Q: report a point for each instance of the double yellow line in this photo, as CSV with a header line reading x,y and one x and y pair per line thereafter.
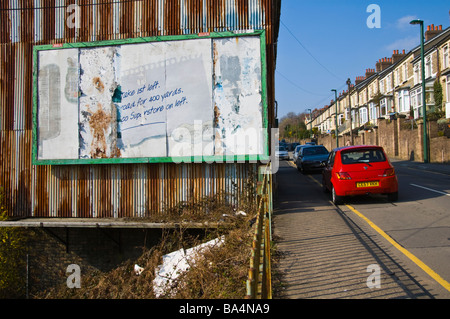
x,y
408,254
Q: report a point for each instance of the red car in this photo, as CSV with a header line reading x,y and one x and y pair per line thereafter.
x,y
359,170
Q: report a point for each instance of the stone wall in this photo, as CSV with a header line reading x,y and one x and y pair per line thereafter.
x,y
401,139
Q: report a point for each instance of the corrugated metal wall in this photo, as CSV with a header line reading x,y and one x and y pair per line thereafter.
x,y
125,190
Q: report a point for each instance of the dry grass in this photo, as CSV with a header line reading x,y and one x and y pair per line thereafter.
x,y
221,273
223,270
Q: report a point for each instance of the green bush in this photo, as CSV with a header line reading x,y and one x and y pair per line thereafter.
x,y
13,245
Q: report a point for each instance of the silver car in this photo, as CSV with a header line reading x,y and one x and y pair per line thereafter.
x,y
281,153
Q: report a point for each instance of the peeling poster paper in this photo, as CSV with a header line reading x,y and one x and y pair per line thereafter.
x,y
181,98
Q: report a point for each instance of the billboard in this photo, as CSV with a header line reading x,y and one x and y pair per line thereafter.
x,y
160,99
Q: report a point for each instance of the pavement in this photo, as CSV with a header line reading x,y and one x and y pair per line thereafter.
x,y
323,254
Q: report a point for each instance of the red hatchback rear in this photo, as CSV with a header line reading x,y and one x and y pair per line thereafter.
x,y
359,170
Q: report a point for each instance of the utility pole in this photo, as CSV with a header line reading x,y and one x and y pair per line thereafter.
x,y
350,110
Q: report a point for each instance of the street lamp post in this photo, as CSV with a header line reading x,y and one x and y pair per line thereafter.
x,y
424,107
336,111
350,110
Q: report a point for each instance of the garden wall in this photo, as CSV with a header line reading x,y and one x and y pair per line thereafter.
x,y
401,138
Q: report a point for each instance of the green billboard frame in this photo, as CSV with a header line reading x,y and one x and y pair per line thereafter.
x,y
180,159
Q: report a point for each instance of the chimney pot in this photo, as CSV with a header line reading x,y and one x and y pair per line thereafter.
x,y
428,28
440,27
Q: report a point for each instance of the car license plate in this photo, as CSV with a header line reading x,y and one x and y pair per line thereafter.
x,y
368,184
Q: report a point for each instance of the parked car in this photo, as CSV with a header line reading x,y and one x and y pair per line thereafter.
x,y
311,157
359,170
295,153
291,147
281,152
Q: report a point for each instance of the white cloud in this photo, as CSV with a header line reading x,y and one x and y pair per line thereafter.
x,y
403,22
407,43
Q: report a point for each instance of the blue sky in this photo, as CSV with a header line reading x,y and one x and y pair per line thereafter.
x,y
322,43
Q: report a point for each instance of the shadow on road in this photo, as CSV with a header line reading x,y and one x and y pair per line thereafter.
x,y
322,254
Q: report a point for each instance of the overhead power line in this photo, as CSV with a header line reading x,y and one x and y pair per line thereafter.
x,y
307,51
297,86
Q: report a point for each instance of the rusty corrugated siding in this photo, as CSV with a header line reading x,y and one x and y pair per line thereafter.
x,y
120,190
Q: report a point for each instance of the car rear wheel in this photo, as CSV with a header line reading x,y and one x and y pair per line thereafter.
x,y
335,198
393,197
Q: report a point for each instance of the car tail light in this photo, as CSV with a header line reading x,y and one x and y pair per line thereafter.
x,y
343,175
389,172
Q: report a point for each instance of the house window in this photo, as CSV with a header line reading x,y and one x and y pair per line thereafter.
x,y
363,115
382,86
403,101
417,73
397,77
416,102
446,61
388,83
416,97
427,66
448,88
383,107
372,112
447,106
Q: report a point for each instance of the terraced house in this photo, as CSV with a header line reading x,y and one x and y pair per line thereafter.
x,y
394,88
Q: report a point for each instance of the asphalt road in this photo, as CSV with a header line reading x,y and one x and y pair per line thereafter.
x,y
328,251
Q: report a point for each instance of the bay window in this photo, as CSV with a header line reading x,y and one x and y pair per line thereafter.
x,y
363,115
373,114
385,106
447,105
403,101
416,102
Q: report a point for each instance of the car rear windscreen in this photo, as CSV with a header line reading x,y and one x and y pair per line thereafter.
x,y
315,151
363,156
